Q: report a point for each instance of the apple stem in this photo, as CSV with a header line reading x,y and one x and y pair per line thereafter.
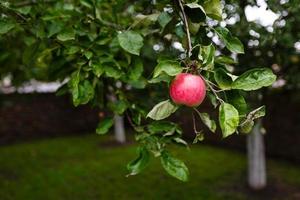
x,y
187,29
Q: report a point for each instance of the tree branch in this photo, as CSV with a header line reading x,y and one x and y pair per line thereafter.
x,y
32,2
187,29
208,83
13,11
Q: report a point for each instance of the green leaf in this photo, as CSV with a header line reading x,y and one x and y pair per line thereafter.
x,y
228,119
163,19
195,12
75,78
62,90
163,127
180,141
232,43
88,54
223,80
254,79
104,126
257,113
199,137
224,60
112,72
210,123
83,93
194,27
118,107
174,166
54,28
131,42
98,69
136,70
145,20
139,83
152,143
67,34
29,40
160,126
6,26
24,10
140,163
246,126
73,84
235,98
72,50
179,31
207,55
213,9
171,68
30,53
213,99
86,3
162,110
109,61
162,77
38,31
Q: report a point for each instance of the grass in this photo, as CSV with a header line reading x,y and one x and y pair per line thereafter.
x,y
83,168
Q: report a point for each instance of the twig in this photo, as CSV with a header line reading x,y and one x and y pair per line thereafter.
x,y
136,128
14,11
129,119
194,124
208,83
211,83
197,111
187,29
107,23
33,2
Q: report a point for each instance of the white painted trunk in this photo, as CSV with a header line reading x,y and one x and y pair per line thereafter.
x,y
256,158
120,135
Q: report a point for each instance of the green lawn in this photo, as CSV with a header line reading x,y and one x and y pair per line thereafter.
x,y
83,168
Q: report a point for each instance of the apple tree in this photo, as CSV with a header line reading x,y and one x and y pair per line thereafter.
x,y
134,50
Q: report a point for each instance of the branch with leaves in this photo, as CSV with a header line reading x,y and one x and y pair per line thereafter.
x,y
187,29
135,58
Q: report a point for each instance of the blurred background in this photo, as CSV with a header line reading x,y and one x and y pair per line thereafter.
x,y
49,149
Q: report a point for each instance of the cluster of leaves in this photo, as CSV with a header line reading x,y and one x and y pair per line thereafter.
x,y
274,43
117,54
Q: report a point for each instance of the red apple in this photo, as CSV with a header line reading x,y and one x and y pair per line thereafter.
x,y
188,89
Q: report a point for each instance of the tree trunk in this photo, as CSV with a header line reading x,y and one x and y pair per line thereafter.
x,y
120,135
256,158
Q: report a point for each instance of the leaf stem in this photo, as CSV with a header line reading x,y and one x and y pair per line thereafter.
x,y
194,124
197,111
187,29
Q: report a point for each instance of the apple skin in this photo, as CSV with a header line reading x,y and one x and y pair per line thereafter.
x,y
188,89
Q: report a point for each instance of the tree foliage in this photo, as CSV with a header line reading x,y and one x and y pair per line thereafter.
x,y
271,45
131,50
